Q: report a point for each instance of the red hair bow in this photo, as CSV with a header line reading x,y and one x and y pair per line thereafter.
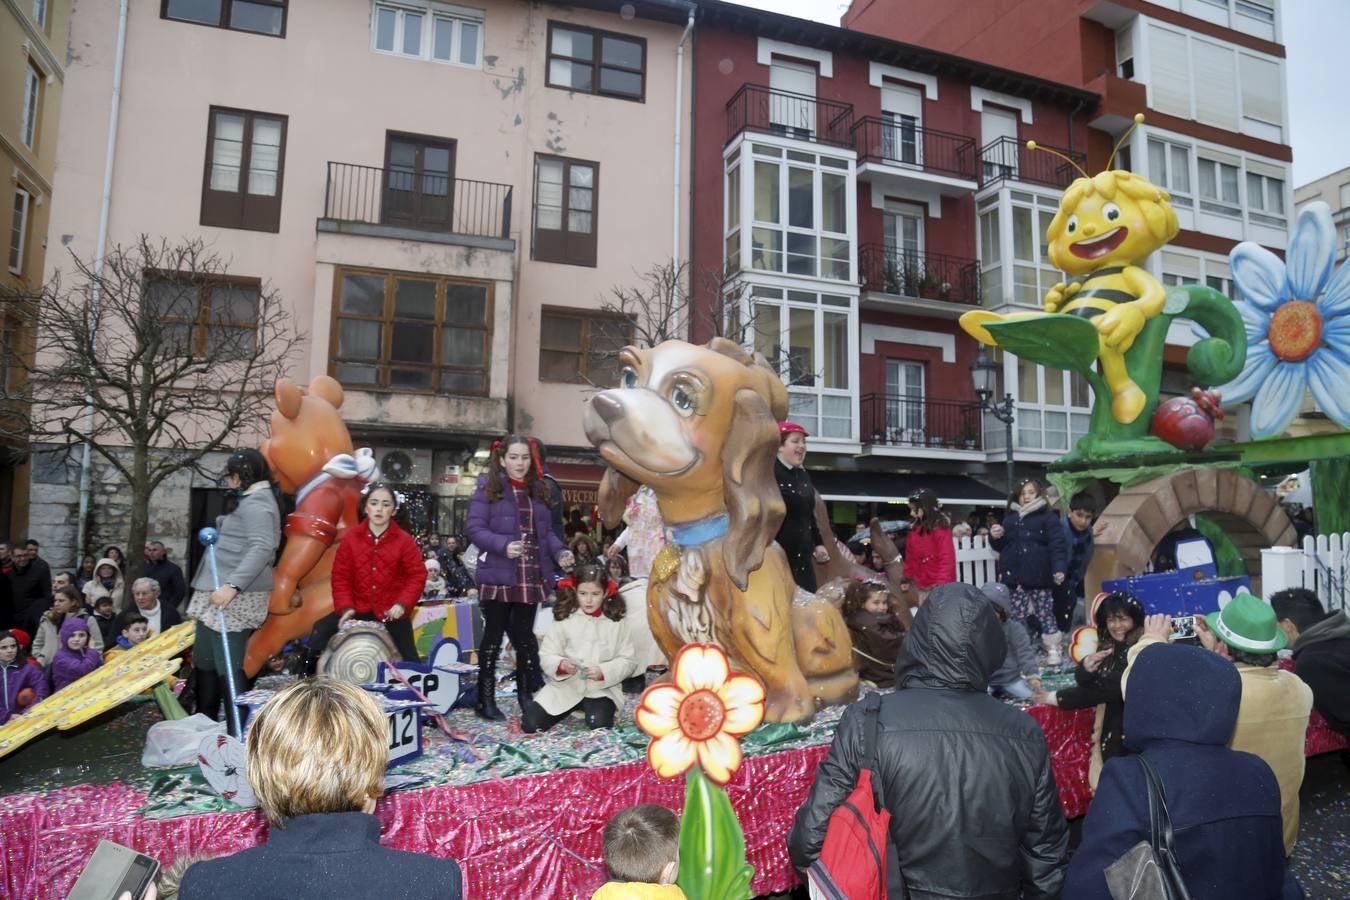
x,y
611,587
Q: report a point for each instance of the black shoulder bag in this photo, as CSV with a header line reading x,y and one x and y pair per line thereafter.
x,y
1149,870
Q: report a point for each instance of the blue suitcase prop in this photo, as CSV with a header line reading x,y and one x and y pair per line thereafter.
x,y
1186,593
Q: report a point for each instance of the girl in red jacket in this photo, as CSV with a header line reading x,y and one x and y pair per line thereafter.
x,y
377,576
930,556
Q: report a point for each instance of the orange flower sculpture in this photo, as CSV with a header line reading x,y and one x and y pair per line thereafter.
x,y
702,716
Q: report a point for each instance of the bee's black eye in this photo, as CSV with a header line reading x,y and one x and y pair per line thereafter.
x,y
1111,212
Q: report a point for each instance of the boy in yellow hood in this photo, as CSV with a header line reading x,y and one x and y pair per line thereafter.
x,y
642,853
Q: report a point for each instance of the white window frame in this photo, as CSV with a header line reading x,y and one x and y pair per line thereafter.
x,y
40,10
784,300
1167,179
1077,417
431,13
1259,208
32,102
786,158
905,410
17,266
1217,203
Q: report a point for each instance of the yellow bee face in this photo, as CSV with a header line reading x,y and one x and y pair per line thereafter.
x,y
1115,226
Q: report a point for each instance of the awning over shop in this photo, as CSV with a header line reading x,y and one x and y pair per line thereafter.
x,y
891,487
580,482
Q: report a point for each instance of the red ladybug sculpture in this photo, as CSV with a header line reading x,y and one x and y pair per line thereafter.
x,y
1188,422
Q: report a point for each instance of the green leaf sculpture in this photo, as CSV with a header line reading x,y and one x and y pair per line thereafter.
x,y
1070,342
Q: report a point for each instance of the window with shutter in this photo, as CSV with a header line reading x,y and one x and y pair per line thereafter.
x,y
1216,98
1169,73
1261,89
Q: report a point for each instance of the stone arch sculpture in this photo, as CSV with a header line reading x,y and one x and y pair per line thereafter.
x,y
1140,516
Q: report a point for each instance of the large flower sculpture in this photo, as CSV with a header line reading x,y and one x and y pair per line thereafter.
x,y
702,716
1297,317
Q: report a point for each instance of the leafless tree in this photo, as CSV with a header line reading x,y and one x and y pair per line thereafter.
x,y
156,359
664,304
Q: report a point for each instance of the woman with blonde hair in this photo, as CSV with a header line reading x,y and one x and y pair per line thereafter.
x,y
315,757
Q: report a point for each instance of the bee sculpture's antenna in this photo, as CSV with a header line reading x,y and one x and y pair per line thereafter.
x,y
1032,145
1138,119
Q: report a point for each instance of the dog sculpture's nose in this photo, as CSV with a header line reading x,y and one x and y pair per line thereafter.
x,y
607,407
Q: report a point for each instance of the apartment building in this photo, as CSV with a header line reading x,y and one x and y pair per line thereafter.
x,y
443,194
1334,191
871,191
1208,74
31,85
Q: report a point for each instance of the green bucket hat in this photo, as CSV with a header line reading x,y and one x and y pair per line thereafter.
x,y
1248,623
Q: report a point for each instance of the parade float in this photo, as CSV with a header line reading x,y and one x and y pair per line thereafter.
x,y
759,670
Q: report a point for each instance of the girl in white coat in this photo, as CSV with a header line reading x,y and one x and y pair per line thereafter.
x,y
586,655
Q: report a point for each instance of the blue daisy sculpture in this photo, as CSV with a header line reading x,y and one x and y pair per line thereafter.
x,y
1297,318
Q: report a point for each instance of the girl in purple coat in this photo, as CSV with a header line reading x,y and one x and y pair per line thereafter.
x,y
21,685
75,659
509,524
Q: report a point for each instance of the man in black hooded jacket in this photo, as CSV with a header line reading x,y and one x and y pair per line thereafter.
x,y
974,807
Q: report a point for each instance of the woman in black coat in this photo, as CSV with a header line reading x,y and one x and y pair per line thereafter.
x,y
798,536
1120,621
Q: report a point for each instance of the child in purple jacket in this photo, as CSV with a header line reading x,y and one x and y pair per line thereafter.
x,y
22,684
75,659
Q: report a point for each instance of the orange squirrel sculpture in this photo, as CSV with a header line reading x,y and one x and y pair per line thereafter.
x,y
311,456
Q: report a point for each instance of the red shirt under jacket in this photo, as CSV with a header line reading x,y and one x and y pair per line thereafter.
x,y
371,574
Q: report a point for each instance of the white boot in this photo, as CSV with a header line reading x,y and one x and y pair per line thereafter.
x,y
1051,644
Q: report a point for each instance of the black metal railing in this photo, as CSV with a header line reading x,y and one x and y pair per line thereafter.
x,y
1008,159
901,421
801,116
419,200
903,143
932,276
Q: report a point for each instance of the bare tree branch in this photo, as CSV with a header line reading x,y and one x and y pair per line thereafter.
x,y
157,360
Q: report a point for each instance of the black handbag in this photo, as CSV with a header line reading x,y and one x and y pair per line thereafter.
x,y
1149,869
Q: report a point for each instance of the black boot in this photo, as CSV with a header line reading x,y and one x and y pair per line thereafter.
x,y
527,671
486,707
208,694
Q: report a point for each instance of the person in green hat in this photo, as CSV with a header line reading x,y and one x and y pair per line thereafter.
x,y
1273,716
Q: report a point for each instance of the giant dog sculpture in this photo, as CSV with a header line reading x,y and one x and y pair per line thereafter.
x,y
698,425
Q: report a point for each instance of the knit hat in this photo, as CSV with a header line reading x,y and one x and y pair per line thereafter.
x,y
432,564
1248,623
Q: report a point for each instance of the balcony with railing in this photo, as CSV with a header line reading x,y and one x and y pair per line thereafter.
x,y
1008,159
905,424
803,117
902,147
927,276
417,205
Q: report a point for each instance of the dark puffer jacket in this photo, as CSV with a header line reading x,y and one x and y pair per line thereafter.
x,y
1032,549
1225,804
975,810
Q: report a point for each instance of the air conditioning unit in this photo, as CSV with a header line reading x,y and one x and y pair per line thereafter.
x,y
403,465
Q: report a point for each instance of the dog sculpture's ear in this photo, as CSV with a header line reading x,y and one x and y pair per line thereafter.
x,y
615,489
770,385
748,484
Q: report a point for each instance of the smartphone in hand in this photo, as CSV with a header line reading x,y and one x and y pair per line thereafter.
x,y
112,871
1183,628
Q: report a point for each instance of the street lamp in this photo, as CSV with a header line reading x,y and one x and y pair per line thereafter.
x,y
984,373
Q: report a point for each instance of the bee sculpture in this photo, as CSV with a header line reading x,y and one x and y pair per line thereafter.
x,y
1106,227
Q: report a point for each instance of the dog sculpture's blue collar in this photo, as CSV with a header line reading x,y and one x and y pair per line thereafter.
x,y
700,532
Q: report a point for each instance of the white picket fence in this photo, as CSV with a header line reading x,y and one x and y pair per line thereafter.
x,y
976,561
1321,565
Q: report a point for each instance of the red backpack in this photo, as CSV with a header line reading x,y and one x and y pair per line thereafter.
x,y
852,861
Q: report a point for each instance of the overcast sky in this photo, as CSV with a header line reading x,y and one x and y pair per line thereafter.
x,y
1315,37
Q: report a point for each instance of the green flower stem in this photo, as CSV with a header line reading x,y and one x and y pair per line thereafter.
x,y
712,845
